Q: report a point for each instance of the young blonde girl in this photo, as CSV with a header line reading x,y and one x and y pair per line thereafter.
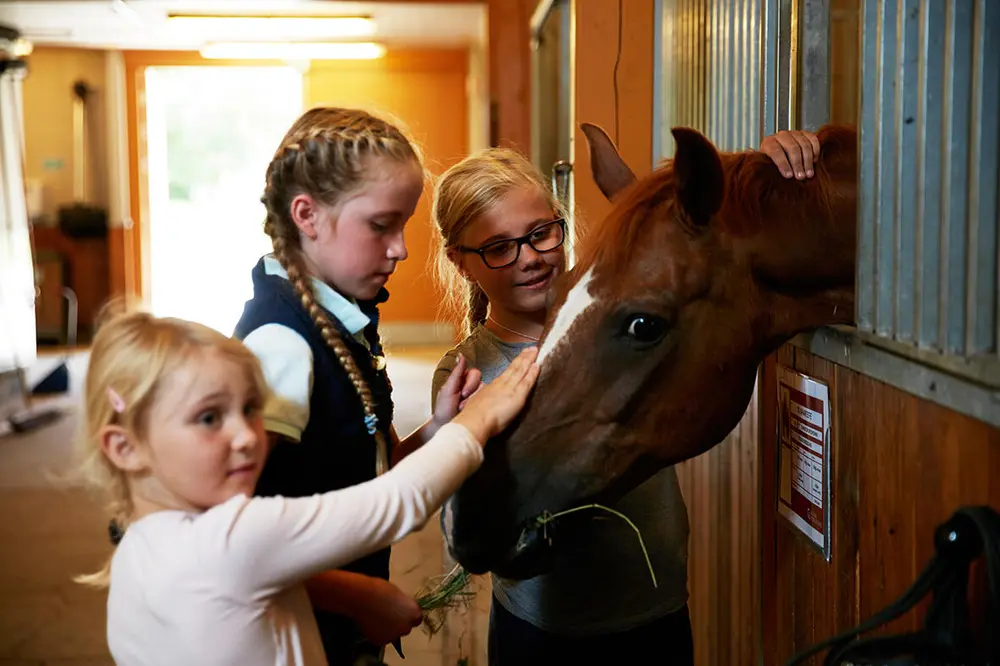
x,y
339,192
205,573
502,244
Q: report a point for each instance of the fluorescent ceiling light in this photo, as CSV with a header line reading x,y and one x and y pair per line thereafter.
x,y
326,26
293,50
21,48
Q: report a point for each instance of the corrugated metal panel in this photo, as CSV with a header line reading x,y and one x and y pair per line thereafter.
x,y
930,135
682,68
711,70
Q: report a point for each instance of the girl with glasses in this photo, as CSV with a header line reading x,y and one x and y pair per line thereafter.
x,y
502,240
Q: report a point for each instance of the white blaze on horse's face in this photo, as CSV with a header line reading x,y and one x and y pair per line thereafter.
x,y
577,302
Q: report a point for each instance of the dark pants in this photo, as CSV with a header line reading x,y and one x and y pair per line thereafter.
x,y
514,642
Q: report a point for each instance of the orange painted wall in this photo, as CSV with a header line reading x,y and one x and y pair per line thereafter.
x,y
48,123
426,90
596,50
48,98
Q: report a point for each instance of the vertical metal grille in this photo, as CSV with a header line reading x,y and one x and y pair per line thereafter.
x,y
711,73
930,133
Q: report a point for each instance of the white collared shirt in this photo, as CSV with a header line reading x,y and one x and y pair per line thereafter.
x,y
287,359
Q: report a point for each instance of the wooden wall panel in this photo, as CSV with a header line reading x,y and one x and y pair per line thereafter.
x,y
596,25
510,72
722,495
901,466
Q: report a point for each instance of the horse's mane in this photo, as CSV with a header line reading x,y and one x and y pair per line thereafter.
x,y
612,241
754,190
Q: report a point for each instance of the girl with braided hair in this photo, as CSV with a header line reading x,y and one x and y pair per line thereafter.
x,y
339,191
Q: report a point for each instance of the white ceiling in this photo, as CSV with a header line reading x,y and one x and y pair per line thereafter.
x,y
142,24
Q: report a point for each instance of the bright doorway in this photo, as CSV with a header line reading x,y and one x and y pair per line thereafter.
x,y
211,133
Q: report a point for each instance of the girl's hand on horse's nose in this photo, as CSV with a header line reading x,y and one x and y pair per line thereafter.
x,y
494,405
793,152
456,391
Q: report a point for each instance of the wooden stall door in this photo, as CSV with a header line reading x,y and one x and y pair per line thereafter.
x,y
901,466
722,492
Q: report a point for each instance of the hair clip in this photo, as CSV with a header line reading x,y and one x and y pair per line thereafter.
x,y
116,401
371,421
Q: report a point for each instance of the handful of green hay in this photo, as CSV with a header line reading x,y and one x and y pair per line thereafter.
x,y
442,594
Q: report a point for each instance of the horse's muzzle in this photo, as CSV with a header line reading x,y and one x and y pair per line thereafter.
x,y
525,558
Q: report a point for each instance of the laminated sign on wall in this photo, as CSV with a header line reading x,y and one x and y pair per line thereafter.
x,y
804,456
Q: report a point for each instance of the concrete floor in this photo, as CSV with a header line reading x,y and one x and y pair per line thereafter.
x,y
51,530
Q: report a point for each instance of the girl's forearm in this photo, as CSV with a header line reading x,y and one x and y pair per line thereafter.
x,y
414,440
340,592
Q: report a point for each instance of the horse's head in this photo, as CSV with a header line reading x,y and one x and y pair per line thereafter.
x,y
653,339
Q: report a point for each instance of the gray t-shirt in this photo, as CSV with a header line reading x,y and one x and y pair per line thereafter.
x,y
602,585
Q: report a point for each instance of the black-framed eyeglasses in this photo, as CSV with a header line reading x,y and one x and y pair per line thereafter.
x,y
503,253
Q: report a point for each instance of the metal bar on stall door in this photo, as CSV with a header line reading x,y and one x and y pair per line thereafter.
x,y
786,60
727,111
712,70
957,100
769,67
929,175
756,71
747,39
884,179
681,62
981,293
905,183
813,63
659,28
867,146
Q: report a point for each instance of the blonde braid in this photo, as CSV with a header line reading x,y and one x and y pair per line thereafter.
x,y
292,262
323,155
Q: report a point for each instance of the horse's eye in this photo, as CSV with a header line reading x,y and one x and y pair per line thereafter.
x,y
646,328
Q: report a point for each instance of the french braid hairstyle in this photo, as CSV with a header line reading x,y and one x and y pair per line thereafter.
x,y
324,155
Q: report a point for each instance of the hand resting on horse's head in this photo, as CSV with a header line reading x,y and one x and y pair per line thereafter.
x,y
793,152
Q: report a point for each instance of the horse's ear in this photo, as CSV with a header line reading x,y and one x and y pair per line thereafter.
x,y
698,176
611,173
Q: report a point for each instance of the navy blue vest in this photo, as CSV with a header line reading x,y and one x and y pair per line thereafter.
x,y
335,450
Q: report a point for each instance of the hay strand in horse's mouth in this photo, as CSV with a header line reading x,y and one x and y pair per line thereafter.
x,y
546,518
451,590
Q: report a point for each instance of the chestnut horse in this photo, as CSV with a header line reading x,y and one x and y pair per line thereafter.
x,y
653,339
